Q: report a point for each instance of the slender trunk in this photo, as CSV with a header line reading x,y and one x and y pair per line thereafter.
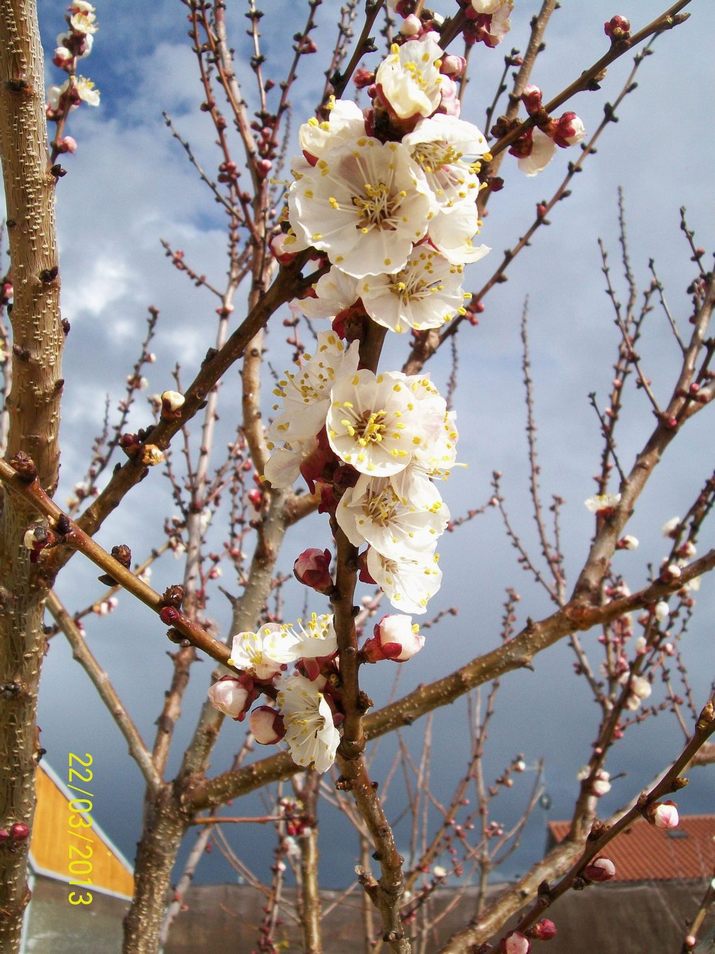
x,y
33,416
164,829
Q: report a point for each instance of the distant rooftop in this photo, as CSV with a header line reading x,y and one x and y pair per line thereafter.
x,y
646,853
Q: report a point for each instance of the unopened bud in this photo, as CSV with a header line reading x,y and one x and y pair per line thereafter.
x,y
171,404
230,697
544,930
515,943
411,26
664,815
312,568
394,638
617,28
19,831
600,869
266,725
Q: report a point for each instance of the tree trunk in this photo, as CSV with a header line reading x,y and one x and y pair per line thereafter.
x,y
33,408
164,829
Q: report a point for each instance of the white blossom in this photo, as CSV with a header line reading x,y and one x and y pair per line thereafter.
x,y
409,78
371,424
345,123
452,232
445,149
426,293
83,18
256,653
396,515
408,583
543,149
306,392
333,292
364,204
310,732
600,502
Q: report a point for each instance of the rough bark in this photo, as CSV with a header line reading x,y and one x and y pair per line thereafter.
x,y
164,828
33,408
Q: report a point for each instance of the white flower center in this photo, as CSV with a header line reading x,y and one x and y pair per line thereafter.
x,y
431,156
377,207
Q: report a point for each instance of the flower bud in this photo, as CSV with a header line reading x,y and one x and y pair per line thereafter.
x,y
664,815
670,527
394,638
171,404
600,869
67,144
515,943
453,65
628,542
531,98
661,611
640,687
544,930
19,831
230,697
266,724
363,77
312,568
62,57
617,28
411,26
568,130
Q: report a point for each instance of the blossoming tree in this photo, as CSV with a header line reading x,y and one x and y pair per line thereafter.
x,y
365,242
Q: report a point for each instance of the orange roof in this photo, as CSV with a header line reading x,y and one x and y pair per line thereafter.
x,y
57,848
646,853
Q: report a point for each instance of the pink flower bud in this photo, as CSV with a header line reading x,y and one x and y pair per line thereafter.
x,y
690,940
255,497
19,831
600,869
665,815
363,77
263,167
169,615
617,28
266,725
531,98
4,836
449,104
394,638
453,65
544,930
411,26
568,130
62,57
312,568
67,144
515,943
229,696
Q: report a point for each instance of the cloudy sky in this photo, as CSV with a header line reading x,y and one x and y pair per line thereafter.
x,y
129,185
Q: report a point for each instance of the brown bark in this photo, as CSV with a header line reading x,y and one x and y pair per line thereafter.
x,y
164,828
33,409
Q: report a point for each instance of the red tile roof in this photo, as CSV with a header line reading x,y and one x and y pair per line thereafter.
x,y
646,853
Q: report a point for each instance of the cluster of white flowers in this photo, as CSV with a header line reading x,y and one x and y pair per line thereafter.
x,y
304,712
386,197
73,45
